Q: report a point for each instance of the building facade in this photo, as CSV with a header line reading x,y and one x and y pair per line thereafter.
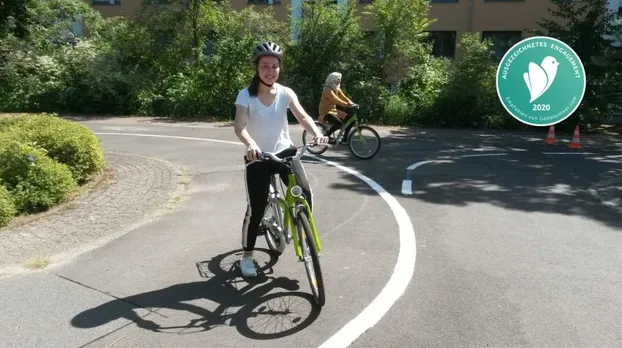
x,y
505,22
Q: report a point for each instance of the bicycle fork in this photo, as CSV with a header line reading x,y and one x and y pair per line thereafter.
x,y
293,224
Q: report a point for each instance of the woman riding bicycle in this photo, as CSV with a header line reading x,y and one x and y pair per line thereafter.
x,y
261,124
335,107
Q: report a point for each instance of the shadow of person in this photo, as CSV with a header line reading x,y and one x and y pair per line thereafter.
x,y
224,287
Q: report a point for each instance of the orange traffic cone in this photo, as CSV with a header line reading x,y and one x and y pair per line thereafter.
x,y
575,143
550,138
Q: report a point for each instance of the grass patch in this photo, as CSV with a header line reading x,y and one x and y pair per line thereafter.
x,y
38,263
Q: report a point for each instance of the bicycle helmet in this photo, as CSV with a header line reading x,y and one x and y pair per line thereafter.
x,y
268,49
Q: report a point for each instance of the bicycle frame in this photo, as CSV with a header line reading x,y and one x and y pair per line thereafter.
x,y
291,205
353,120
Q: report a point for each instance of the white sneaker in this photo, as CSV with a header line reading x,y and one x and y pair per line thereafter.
x,y
247,266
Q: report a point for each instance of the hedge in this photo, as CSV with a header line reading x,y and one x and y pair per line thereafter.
x,y
43,158
7,207
191,59
65,141
34,180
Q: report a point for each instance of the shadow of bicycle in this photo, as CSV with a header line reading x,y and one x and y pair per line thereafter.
x,y
261,313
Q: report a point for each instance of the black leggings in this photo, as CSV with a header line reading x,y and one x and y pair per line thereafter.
x,y
338,122
257,177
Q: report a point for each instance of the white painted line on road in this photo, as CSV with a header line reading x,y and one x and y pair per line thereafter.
x,y
415,165
172,137
407,184
407,187
402,272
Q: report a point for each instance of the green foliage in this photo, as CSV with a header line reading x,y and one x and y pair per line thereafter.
x,y
28,81
34,180
16,18
67,142
328,38
396,110
199,58
470,99
401,32
459,94
588,28
42,159
7,207
191,58
421,88
31,69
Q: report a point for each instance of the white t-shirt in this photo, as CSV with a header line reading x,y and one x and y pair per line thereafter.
x,y
267,125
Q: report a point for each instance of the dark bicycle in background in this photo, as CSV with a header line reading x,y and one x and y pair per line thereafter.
x,y
363,141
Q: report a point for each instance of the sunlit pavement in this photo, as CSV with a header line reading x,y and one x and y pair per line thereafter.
x,y
512,250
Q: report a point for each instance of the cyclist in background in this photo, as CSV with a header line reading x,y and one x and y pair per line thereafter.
x,y
335,107
261,124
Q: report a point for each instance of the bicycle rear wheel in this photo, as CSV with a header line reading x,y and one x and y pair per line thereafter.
x,y
368,140
309,251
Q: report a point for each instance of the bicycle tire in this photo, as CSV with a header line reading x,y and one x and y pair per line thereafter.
x,y
277,247
316,150
373,131
305,237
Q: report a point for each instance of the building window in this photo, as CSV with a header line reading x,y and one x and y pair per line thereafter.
x,y
264,2
209,48
77,26
106,2
443,43
502,40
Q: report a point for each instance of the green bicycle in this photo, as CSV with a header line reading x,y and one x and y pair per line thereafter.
x,y
355,135
282,215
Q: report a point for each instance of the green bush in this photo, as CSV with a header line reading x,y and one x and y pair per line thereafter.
x,y
34,180
7,207
329,38
422,87
190,60
65,141
396,110
372,97
469,98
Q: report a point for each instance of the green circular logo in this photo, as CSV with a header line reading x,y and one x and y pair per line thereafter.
x,y
540,81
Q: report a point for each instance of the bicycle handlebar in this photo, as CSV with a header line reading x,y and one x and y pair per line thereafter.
x,y
266,156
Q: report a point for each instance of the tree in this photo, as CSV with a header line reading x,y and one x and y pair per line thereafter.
x,y
15,17
589,28
401,32
328,38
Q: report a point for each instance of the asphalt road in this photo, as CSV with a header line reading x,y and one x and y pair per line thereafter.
x,y
511,251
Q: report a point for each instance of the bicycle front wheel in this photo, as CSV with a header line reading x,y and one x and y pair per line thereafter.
x,y
364,142
311,258
275,231
316,150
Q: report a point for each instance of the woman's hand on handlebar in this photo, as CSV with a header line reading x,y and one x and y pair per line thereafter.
x,y
253,152
320,140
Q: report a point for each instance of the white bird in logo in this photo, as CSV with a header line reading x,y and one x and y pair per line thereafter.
x,y
540,78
